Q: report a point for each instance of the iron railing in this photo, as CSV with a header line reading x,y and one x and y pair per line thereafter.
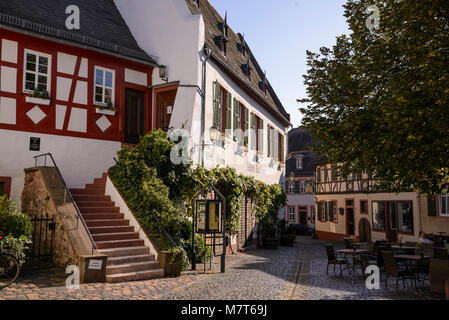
x,y
154,215
67,192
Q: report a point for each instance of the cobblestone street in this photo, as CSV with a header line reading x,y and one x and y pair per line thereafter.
x,y
297,273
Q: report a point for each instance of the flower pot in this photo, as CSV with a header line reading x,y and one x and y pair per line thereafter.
x,y
105,111
40,101
171,268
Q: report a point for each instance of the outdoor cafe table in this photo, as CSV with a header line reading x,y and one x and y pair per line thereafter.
x,y
407,249
354,253
411,257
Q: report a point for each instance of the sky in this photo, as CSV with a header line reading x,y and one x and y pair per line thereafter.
x,y
279,32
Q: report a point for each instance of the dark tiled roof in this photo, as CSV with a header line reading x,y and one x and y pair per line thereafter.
x,y
299,141
101,25
234,58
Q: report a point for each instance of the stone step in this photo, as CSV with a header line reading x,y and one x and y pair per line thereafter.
x,y
88,198
100,181
110,229
119,243
107,223
94,186
75,192
132,267
135,276
100,216
112,261
88,204
115,236
99,209
127,251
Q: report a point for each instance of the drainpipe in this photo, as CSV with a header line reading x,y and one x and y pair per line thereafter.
x,y
207,53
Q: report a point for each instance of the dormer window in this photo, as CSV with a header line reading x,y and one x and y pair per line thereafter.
x,y
247,67
299,162
197,3
224,34
243,46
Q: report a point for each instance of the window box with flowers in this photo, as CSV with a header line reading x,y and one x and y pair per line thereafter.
x,y
109,109
38,97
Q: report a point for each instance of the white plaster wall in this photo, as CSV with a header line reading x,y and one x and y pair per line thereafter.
x,y
9,51
80,160
167,29
265,171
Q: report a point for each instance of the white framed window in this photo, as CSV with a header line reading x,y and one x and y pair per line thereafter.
x,y
443,205
291,187
299,162
36,71
291,214
302,186
104,86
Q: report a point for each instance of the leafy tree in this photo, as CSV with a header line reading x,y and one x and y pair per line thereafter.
x,y
378,100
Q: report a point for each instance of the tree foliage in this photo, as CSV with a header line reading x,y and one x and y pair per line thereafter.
x,y
378,100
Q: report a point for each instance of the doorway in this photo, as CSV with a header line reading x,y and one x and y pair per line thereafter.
x,y
134,116
165,102
350,224
392,219
364,231
303,216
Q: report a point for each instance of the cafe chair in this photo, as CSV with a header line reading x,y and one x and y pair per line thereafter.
x,y
333,260
392,269
348,243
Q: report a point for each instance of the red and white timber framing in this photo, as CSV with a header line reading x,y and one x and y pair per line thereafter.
x,y
72,111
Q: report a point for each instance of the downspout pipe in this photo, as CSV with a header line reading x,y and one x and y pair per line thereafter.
x,y
207,53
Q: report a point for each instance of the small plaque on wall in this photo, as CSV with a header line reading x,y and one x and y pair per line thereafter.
x,y
95,264
35,144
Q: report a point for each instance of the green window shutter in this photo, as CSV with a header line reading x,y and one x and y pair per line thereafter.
x,y
229,112
432,206
245,126
261,141
318,210
282,148
276,146
268,140
217,105
296,187
237,118
253,131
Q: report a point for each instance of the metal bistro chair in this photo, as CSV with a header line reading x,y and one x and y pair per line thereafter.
x,y
333,260
348,243
392,270
366,259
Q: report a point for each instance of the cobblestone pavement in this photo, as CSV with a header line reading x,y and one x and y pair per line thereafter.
x,y
314,284
297,273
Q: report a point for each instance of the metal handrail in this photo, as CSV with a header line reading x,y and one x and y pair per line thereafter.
x,y
66,191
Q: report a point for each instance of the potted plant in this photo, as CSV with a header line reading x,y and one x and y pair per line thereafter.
x,y
41,97
171,262
270,239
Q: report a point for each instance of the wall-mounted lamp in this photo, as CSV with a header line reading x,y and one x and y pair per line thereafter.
x,y
292,177
163,73
342,211
214,134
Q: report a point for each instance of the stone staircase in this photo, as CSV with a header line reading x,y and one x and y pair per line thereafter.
x,y
128,258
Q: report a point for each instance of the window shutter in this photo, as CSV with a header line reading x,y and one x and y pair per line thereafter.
x,y
280,155
335,211
261,127
217,106
268,140
296,187
319,207
237,113
245,126
276,146
229,112
253,131
432,206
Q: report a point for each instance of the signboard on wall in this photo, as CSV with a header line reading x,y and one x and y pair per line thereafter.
x,y
35,144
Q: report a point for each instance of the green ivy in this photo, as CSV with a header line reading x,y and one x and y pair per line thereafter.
x,y
155,189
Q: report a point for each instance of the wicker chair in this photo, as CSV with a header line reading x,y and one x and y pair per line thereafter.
x,y
333,260
392,270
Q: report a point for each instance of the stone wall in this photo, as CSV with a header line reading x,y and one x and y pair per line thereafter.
x,y
42,197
